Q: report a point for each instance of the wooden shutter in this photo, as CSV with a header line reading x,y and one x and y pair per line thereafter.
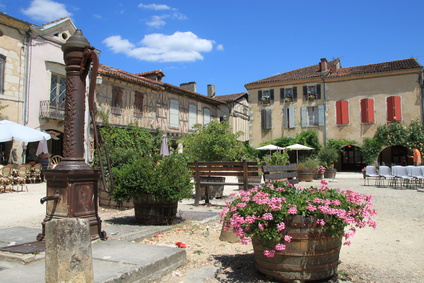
x,y
295,93
260,97
281,94
305,92
318,96
266,120
342,112
271,96
304,116
117,96
291,123
139,97
393,109
367,110
321,115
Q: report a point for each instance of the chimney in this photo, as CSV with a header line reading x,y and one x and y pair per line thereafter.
x,y
191,86
323,66
211,91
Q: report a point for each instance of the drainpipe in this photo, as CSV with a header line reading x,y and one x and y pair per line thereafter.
x,y
27,44
325,112
421,84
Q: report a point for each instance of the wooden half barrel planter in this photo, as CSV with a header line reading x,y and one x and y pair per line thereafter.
x,y
330,173
311,255
149,211
306,175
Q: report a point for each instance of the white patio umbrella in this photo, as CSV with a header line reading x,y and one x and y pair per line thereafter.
x,y
270,147
12,131
42,147
298,147
164,149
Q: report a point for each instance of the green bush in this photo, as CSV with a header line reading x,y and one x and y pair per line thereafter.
x,y
327,156
308,164
167,179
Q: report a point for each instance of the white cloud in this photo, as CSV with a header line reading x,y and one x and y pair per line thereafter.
x,y
156,7
156,47
220,47
46,10
157,21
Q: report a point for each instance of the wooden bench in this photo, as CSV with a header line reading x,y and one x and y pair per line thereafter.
x,y
277,172
246,171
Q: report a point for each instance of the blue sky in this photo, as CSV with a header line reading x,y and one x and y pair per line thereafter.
x,y
229,43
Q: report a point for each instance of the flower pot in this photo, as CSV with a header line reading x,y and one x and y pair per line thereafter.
x,y
214,191
305,175
228,235
312,254
318,175
330,173
154,212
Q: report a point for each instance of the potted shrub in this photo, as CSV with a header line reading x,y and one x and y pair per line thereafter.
x,y
155,184
306,169
296,232
213,142
327,156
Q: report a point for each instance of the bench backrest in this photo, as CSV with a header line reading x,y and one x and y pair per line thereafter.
x,y
277,172
224,168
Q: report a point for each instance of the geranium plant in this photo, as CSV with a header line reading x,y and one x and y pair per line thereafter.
x,y
262,212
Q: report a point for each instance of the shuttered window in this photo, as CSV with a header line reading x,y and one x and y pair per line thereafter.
x,y
117,96
367,110
288,94
312,116
289,122
174,109
266,120
192,116
139,97
266,96
2,68
342,112
312,92
206,116
394,112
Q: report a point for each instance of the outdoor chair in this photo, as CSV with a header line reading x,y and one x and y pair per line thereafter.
x,y
371,172
23,174
385,174
6,178
36,173
402,175
418,176
56,159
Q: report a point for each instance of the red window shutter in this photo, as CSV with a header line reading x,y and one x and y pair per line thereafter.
x,y
342,112
370,110
367,110
393,109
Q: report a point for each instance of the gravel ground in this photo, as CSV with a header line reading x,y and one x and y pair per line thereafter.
x,y
391,253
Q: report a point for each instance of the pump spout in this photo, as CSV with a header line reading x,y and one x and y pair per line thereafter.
x,y
54,197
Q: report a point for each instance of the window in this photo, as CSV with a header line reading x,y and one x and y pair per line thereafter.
x,y
312,116
206,116
192,116
312,92
266,96
57,92
2,68
289,117
394,112
174,111
266,120
288,94
138,104
116,100
367,110
342,112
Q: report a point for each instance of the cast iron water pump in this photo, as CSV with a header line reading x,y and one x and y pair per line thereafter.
x,y
72,186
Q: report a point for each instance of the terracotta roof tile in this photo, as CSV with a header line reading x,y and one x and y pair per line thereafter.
x,y
230,97
337,71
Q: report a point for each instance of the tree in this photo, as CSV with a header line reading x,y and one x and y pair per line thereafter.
x,y
213,142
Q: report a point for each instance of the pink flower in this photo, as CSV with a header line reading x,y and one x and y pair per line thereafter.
x,y
321,222
347,243
269,253
281,226
292,209
267,216
280,247
245,240
287,238
260,226
241,204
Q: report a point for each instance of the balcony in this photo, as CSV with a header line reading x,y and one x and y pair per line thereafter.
x,y
52,110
